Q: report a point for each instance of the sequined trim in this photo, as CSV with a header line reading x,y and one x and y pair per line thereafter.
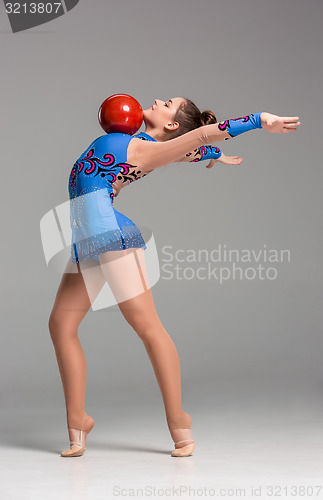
x,y
117,239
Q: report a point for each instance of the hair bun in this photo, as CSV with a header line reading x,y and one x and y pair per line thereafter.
x,y
208,117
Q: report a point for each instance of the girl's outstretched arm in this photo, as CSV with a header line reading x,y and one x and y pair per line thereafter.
x,y
151,155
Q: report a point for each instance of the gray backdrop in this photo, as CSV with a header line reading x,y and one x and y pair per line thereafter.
x,y
244,343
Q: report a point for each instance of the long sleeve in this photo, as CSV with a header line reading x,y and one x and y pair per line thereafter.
x,y
151,155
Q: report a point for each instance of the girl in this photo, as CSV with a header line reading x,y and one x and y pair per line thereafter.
x,y
105,240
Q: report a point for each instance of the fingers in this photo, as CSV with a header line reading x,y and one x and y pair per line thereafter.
x,y
290,127
291,118
234,161
292,121
226,160
289,124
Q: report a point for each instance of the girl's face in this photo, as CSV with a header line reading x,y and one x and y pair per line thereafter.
x,y
161,114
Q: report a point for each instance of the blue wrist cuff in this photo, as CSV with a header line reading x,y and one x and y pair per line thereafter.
x,y
210,152
237,126
206,153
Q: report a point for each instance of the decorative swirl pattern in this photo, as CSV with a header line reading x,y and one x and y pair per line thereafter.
x,y
126,174
204,152
78,167
224,125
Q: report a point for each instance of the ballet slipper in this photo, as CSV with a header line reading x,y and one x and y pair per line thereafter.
x,y
77,442
183,435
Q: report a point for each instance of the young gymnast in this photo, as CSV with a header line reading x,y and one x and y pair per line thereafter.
x,y
175,131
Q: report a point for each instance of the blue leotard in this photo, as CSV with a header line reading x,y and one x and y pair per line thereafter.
x,y
95,179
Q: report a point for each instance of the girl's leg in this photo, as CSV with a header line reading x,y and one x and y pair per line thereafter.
x,y
128,280
71,305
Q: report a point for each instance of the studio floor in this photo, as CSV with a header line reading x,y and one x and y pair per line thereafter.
x,y
251,453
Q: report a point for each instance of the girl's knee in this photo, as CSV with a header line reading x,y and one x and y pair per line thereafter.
x,y
52,323
147,330
61,328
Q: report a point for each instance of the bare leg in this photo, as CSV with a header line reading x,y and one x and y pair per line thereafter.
x,y
125,278
70,307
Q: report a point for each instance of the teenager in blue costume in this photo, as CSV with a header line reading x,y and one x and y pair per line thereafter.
x,y
175,131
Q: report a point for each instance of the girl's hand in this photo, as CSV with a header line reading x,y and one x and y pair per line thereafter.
x,y
279,124
227,160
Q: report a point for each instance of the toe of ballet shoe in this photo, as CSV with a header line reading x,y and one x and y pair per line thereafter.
x,y
185,451
75,451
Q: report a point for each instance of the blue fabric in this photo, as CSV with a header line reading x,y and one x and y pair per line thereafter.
x,y
237,126
97,226
205,153
210,152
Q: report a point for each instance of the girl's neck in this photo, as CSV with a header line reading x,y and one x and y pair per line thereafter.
x,y
155,134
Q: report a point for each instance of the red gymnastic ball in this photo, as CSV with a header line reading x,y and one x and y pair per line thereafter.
x,y
120,113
